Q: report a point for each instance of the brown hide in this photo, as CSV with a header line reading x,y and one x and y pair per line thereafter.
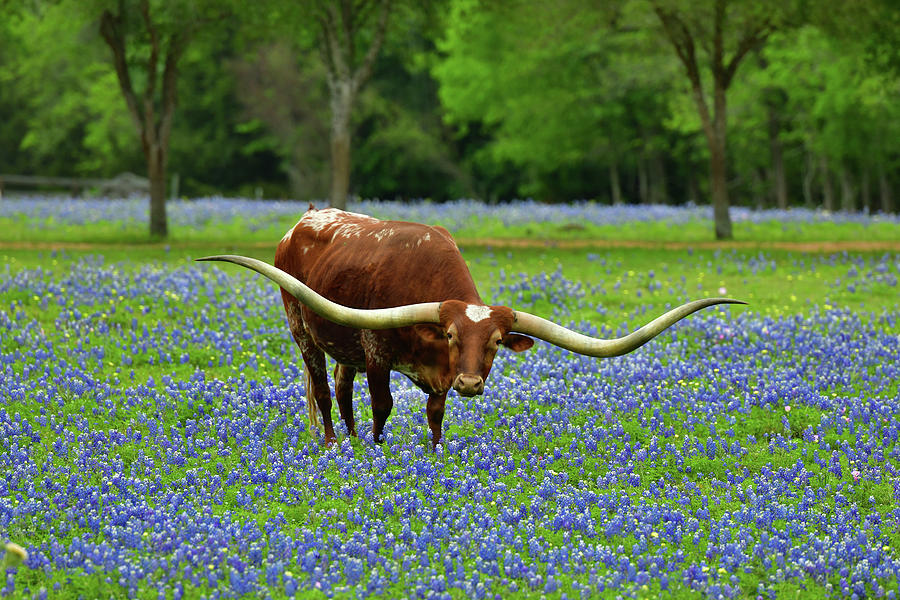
x,y
409,277
361,262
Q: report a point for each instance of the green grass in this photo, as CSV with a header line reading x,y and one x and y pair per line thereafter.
x,y
791,288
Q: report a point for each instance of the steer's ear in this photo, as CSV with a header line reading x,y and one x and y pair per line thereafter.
x,y
516,342
428,332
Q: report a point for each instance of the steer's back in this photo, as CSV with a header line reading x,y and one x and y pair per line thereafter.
x,y
362,262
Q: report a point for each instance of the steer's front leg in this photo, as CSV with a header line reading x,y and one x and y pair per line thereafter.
x,y
435,411
379,379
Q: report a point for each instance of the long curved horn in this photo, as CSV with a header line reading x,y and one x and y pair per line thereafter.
x,y
358,318
572,340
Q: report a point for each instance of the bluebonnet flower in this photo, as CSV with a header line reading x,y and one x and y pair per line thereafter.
x,y
568,476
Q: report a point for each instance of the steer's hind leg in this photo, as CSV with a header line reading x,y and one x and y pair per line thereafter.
x,y
316,372
343,392
314,366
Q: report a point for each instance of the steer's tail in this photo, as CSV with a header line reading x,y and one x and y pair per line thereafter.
x,y
311,401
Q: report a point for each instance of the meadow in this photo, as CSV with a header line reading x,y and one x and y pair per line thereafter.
x,y
155,442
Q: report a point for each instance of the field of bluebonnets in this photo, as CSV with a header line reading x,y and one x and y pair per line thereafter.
x,y
155,442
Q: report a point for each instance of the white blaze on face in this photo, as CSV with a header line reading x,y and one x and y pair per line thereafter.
x,y
478,313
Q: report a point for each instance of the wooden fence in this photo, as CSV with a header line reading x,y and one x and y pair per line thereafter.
x,y
124,184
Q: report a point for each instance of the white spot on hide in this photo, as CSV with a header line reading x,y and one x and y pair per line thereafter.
x,y
478,313
375,351
295,320
382,233
424,238
348,230
346,224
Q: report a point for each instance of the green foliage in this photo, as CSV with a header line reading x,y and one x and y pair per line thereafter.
x,y
404,149
283,103
212,148
79,124
555,100
840,107
542,80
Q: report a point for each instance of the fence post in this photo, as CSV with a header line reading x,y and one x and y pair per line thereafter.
x,y
173,195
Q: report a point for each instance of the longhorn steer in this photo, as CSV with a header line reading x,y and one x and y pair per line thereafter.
x,y
382,296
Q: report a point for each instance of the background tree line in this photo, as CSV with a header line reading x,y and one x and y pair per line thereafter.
x,y
763,103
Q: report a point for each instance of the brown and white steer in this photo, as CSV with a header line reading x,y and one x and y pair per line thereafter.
x,y
382,296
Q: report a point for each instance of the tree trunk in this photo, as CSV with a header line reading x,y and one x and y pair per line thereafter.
x,y
643,191
887,201
154,112
717,174
683,39
693,190
779,182
614,183
827,190
340,168
718,168
156,172
865,191
341,107
757,183
809,173
296,180
341,24
659,193
848,191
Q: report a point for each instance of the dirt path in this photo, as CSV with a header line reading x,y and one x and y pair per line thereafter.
x,y
849,246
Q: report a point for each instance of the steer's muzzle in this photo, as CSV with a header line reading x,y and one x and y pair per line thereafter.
x,y
468,385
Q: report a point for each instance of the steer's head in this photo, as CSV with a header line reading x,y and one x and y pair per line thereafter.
x,y
474,333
